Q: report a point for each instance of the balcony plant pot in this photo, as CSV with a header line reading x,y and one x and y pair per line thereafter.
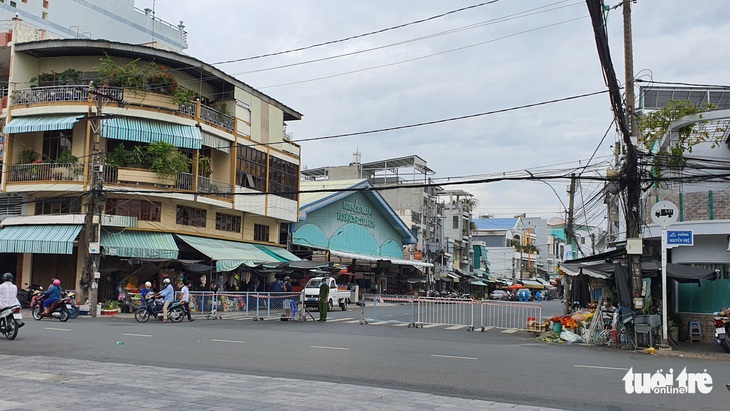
x,y
144,177
149,99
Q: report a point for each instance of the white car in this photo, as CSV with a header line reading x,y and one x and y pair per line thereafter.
x,y
498,295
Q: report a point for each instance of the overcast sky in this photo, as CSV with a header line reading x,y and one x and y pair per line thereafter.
x,y
491,57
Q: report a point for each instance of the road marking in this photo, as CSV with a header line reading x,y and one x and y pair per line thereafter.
x,y
381,323
454,356
352,322
339,319
430,325
601,368
57,329
229,341
510,331
487,328
455,327
401,324
329,348
138,335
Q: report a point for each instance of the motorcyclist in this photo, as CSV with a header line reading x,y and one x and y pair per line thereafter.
x,y
54,294
9,294
168,293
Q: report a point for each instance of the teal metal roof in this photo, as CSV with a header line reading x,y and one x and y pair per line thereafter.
x,y
279,253
229,255
33,124
139,244
150,131
39,239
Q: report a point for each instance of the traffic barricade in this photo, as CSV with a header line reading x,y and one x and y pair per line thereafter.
x,y
508,314
388,308
237,304
445,311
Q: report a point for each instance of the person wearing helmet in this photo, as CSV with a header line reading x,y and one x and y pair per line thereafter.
x,y
168,294
9,294
145,290
54,294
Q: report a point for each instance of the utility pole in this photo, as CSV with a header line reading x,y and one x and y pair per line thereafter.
x,y
569,235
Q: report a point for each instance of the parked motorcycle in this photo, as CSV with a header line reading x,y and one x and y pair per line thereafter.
x,y
59,309
10,321
153,308
73,310
722,329
25,295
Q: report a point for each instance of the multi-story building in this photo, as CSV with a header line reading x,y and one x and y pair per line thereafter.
x,y
115,20
225,180
514,245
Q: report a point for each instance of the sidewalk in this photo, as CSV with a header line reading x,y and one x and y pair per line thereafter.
x,y
696,350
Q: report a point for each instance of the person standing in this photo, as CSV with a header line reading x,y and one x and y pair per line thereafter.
x,y
324,292
168,293
185,299
288,300
608,311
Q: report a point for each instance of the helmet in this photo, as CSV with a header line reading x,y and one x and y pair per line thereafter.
x,y
287,279
166,281
56,282
148,284
7,277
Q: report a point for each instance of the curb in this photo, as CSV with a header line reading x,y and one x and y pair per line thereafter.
x,y
721,356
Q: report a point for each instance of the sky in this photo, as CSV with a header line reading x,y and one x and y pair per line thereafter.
x,y
490,57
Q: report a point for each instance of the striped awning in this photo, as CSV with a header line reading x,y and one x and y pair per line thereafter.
x,y
33,124
228,255
39,239
151,131
279,253
138,244
216,142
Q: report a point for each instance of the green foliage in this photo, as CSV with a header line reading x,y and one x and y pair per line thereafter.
x,y
130,75
67,158
163,158
110,305
654,126
205,166
183,95
28,156
66,77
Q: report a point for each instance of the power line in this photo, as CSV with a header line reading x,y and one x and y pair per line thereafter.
x,y
359,35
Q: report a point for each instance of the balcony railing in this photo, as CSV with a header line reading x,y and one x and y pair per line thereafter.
x,y
45,172
51,94
205,185
218,118
183,181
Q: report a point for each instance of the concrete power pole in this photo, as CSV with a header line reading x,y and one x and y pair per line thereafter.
x,y
569,236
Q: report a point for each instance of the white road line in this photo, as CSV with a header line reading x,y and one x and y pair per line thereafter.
x,y
455,327
381,323
339,319
138,335
510,331
57,329
352,322
329,348
401,324
487,328
600,367
229,341
430,325
454,356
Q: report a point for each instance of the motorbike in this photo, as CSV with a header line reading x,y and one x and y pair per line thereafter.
x,y
10,321
722,329
153,308
25,295
59,309
73,310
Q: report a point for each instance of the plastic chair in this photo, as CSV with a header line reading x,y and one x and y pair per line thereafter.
x,y
695,331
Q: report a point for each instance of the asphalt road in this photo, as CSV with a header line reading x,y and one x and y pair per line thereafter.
x,y
490,365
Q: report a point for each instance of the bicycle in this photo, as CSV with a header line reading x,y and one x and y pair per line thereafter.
x,y
625,335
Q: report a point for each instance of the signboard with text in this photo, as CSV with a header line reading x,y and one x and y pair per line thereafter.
x,y
680,237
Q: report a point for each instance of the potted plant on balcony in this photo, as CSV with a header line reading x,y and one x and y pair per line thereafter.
x,y
205,166
158,164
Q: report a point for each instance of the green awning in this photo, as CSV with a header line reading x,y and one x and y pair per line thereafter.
x,y
228,255
151,131
279,253
39,239
32,124
139,244
478,282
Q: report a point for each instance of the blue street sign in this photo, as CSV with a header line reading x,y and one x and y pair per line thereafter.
x,y
679,237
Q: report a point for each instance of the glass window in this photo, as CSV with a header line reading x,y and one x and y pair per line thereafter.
x,y
143,210
191,216
456,222
251,168
261,232
283,178
58,205
54,143
227,222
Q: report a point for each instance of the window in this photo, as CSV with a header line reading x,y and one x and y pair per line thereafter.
x,y
284,233
44,15
45,4
456,222
261,232
251,168
227,222
191,216
59,205
143,210
283,178
13,4
56,142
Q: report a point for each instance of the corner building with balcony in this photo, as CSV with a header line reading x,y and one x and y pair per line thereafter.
x,y
205,175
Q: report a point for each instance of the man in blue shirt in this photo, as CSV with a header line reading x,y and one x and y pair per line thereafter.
x,y
168,293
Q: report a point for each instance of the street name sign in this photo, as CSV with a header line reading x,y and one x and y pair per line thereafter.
x,y
680,237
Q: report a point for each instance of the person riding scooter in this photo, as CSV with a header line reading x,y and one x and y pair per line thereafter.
x,y
54,294
9,294
168,293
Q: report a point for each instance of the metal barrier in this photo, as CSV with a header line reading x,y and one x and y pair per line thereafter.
x,y
507,314
445,311
389,308
234,304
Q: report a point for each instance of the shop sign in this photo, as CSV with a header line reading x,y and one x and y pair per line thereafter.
x,y
356,213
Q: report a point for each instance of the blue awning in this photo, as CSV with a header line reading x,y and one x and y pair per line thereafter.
x,y
33,124
39,239
139,244
151,131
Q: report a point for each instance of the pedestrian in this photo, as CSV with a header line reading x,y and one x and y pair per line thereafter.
x,y
185,299
538,296
324,292
168,293
288,300
608,311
